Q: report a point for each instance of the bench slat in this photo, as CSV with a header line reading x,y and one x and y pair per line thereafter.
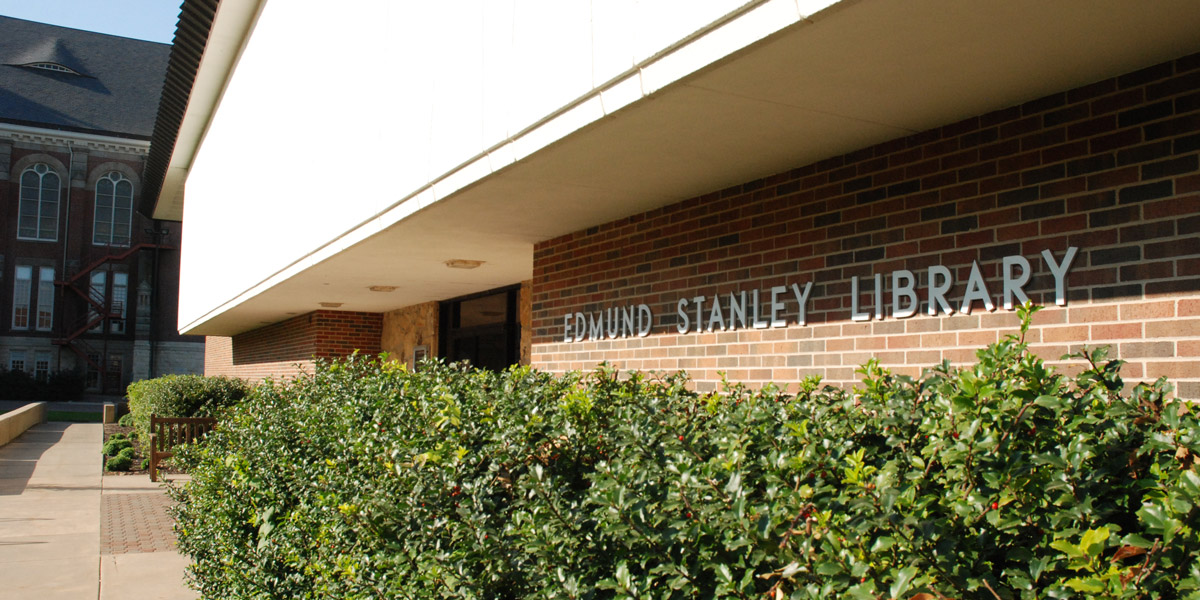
x,y
168,432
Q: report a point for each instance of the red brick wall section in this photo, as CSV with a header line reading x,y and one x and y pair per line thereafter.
x,y
1111,168
290,340
287,348
340,333
218,360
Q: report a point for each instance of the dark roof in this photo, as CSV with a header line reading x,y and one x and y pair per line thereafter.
x,y
191,37
113,90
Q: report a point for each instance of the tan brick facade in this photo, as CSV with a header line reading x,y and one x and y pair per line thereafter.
x,y
407,328
1111,169
525,298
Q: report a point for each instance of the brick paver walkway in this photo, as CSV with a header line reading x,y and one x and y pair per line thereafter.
x,y
136,522
55,503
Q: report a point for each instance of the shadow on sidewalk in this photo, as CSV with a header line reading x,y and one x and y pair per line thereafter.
x,y
19,457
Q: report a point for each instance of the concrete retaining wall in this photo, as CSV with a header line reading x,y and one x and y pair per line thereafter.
x,y
15,422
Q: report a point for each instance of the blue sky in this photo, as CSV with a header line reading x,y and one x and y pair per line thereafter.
x,y
152,20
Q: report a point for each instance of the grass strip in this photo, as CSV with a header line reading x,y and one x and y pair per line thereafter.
x,y
71,416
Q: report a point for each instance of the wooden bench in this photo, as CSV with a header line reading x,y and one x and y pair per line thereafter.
x,y
168,432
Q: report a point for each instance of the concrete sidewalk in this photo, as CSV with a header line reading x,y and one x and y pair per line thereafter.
x,y
53,502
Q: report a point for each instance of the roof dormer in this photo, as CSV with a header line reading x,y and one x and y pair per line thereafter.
x,y
49,66
50,55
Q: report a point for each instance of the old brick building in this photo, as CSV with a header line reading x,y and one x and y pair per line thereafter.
x,y
86,284
763,190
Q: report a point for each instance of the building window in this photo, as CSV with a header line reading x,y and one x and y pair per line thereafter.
x,y
45,299
41,366
22,288
16,360
97,294
114,210
91,376
120,298
49,66
114,370
38,212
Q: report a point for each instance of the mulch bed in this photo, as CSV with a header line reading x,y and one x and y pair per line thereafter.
x,y
139,453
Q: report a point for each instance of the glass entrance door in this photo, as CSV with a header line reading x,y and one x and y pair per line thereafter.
x,y
483,330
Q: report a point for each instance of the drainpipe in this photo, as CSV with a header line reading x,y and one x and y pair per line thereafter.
x,y
158,236
105,324
60,309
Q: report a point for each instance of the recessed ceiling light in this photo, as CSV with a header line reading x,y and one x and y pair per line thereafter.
x,y
462,263
382,288
331,304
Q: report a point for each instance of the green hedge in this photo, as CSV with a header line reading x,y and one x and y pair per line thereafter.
x,y
181,396
1005,479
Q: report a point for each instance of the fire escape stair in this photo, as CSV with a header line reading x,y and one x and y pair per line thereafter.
x,y
98,311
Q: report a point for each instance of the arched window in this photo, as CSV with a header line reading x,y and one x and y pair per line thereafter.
x,y
38,212
114,210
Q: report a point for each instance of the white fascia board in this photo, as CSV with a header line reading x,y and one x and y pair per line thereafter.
x,y
231,29
755,22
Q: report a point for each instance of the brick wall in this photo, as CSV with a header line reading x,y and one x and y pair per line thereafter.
x,y
218,360
286,348
1111,169
341,333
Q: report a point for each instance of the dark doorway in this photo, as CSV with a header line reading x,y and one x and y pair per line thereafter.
x,y
113,375
483,329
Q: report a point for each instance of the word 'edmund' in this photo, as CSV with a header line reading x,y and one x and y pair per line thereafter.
x,y
781,305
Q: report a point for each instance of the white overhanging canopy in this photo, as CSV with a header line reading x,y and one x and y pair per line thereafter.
x,y
854,74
